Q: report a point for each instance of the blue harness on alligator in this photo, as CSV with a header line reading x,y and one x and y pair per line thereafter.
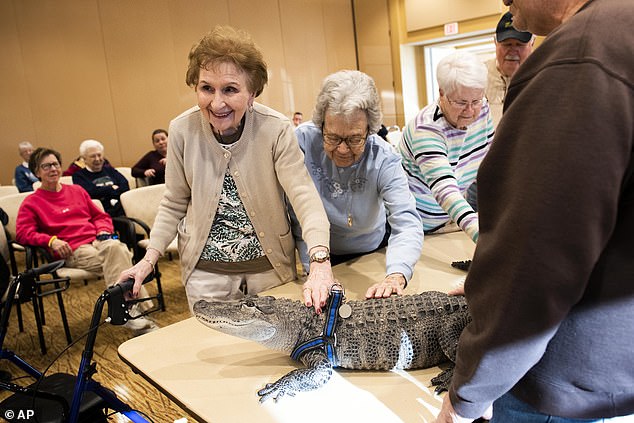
x,y
328,338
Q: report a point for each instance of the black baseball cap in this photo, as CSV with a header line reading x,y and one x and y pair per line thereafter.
x,y
505,30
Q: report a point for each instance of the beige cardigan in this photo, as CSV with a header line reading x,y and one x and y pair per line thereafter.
x,y
265,163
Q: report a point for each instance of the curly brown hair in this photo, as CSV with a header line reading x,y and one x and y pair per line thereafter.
x,y
225,44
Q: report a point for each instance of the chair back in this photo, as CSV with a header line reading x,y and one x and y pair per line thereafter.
x,y
11,204
5,273
141,206
142,203
68,180
127,172
5,280
142,182
8,190
4,246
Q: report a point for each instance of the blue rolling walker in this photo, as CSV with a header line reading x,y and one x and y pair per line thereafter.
x,y
62,397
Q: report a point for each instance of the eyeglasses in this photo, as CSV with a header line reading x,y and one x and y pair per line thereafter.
x,y
354,141
462,104
48,166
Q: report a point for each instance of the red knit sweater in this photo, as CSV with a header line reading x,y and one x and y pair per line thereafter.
x,y
68,214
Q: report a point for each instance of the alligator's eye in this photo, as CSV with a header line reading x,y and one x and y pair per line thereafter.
x,y
248,305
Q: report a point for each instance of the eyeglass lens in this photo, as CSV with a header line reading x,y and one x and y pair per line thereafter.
x,y
48,166
464,104
350,141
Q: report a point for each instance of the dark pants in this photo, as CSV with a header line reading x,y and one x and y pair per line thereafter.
x,y
341,258
510,409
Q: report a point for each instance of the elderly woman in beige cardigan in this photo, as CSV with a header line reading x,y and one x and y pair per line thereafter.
x,y
233,165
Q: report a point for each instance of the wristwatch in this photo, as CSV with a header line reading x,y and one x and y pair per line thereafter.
x,y
320,256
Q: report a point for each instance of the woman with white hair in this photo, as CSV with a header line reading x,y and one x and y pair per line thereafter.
x,y
103,183
360,180
443,146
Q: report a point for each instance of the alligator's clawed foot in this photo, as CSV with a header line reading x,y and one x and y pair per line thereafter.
x,y
299,380
442,381
276,391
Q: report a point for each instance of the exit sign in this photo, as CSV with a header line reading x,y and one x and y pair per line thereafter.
x,y
451,28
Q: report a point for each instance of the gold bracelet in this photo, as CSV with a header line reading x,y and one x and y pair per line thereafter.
x,y
149,261
50,241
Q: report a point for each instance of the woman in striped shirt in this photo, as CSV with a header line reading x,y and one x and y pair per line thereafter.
x,y
443,146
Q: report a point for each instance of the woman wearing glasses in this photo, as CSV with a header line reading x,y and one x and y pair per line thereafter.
x,y
63,219
231,163
360,181
443,146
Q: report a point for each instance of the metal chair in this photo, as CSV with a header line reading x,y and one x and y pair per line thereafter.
x,y
11,204
140,206
37,255
35,293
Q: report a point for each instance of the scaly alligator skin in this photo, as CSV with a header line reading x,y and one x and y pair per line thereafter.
x,y
400,332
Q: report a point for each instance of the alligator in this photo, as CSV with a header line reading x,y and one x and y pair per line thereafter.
x,y
399,332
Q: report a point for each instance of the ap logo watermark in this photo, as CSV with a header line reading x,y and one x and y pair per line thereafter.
x,y
18,415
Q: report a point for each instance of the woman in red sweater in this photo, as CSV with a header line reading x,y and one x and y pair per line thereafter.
x,y
64,219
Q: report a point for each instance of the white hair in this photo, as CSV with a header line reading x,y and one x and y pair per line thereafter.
x,y
24,145
343,93
461,69
88,144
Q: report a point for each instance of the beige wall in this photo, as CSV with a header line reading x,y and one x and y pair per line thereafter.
x,y
113,70
422,14
372,28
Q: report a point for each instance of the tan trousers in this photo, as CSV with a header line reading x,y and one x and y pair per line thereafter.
x,y
203,285
106,258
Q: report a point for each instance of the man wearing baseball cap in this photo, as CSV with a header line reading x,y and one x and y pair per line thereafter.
x,y
512,47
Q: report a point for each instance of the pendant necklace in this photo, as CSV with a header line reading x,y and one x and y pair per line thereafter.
x,y
348,192
350,208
